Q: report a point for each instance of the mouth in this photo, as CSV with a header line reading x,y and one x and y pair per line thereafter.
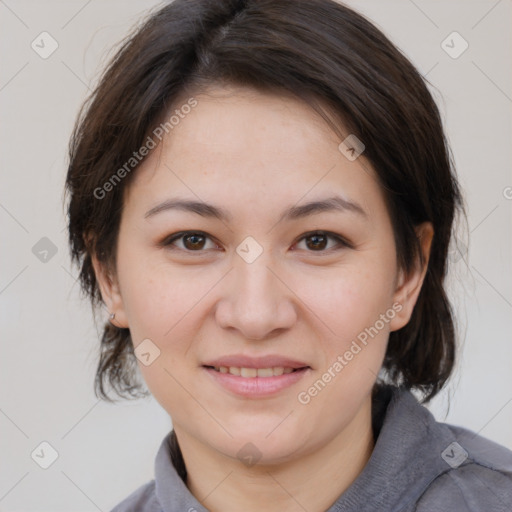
x,y
251,373
256,379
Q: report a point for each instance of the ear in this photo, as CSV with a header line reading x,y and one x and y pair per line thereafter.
x,y
110,292
409,287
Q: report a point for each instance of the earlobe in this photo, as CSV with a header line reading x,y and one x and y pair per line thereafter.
x,y
110,293
409,286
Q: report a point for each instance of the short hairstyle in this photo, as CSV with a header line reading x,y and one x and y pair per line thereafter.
x,y
319,51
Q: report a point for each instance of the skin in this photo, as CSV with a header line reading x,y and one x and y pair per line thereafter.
x,y
254,155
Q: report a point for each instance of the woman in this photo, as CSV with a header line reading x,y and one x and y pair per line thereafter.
x,y
261,194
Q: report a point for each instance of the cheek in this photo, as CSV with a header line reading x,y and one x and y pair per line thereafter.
x,y
348,299
156,296
352,307
166,305
355,322
160,303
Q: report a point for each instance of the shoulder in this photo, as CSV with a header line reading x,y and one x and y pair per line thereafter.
x,y
478,476
142,499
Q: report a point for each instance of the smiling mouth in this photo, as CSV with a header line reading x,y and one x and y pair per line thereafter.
x,y
250,373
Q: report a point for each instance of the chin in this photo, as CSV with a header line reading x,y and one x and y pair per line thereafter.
x,y
258,447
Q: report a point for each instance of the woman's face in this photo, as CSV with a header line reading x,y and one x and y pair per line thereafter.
x,y
250,287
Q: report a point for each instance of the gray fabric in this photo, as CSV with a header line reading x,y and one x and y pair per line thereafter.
x,y
417,465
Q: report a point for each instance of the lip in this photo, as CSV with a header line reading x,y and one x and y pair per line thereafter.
x,y
244,361
256,387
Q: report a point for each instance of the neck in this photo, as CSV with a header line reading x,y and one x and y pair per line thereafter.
x,y
310,482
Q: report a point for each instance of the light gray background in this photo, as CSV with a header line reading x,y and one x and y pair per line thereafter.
x,y
48,338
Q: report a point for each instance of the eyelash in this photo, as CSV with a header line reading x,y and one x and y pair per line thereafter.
x,y
342,243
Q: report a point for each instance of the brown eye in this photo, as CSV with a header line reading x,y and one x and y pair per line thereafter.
x,y
319,240
316,241
191,241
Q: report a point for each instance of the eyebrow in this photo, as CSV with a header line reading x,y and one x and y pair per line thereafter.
x,y
335,203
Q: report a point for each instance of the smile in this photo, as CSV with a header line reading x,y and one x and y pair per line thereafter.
x,y
255,383
254,372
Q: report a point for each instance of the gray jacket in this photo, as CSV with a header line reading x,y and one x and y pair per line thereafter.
x,y
418,464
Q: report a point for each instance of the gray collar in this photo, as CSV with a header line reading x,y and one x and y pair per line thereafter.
x,y
405,460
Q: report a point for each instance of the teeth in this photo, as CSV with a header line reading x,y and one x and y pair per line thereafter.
x,y
247,372
254,372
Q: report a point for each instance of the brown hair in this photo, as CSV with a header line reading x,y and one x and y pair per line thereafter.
x,y
323,53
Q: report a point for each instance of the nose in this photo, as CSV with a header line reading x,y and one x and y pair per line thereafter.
x,y
256,301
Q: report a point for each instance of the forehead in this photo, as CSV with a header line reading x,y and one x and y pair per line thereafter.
x,y
239,142
245,124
